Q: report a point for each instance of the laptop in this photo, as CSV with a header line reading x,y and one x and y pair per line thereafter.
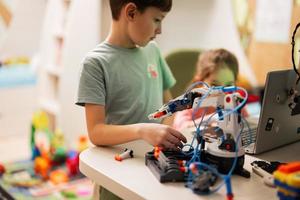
x,y
277,124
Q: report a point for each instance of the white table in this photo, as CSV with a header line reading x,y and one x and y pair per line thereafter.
x,y
132,179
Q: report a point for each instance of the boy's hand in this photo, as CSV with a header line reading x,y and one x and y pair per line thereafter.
x,y
161,135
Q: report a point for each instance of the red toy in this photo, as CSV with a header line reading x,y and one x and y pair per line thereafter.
x,y
2,169
73,163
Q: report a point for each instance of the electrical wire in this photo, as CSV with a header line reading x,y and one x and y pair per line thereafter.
x,y
224,177
196,151
293,50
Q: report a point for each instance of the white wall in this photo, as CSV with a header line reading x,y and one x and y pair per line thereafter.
x,y
24,31
21,39
203,24
82,34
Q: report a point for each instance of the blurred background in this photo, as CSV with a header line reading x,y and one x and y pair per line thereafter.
x,y
42,43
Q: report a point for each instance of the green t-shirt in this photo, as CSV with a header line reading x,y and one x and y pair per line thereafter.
x,y
128,82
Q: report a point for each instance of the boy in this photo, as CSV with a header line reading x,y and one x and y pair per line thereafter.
x,y
125,78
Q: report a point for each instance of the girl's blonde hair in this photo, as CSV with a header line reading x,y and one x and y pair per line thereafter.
x,y
211,61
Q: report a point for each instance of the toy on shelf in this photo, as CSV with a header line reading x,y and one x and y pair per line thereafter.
x,y
17,72
21,60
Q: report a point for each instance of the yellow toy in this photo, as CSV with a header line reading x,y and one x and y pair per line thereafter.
x,y
40,120
58,176
22,60
58,139
82,143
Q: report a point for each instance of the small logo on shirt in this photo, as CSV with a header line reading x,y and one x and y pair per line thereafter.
x,y
152,71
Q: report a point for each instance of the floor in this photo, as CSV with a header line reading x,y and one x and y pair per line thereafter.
x,y
16,108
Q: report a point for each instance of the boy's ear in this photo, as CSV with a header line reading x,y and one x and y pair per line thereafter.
x,y
130,11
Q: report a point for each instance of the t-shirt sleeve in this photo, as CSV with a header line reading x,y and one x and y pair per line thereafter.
x,y
91,87
168,78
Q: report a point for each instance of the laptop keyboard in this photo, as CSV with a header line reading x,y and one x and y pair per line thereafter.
x,y
248,137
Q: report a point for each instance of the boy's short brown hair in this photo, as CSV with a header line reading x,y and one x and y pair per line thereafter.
x,y
117,5
212,60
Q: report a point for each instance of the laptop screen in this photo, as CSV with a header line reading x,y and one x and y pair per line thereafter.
x,y
253,109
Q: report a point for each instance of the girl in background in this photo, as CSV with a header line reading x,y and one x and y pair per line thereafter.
x,y
217,67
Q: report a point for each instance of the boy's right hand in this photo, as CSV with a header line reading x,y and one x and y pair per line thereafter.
x,y
161,135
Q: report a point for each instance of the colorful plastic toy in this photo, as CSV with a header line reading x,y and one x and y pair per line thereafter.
x,y
58,176
126,154
40,136
73,163
22,60
287,181
2,169
41,167
82,143
58,155
69,194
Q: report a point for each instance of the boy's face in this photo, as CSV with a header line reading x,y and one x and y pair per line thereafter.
x,y
145,26
222,77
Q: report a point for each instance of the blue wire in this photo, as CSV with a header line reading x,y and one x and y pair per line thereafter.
x,y
192,86
222,176
196,153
